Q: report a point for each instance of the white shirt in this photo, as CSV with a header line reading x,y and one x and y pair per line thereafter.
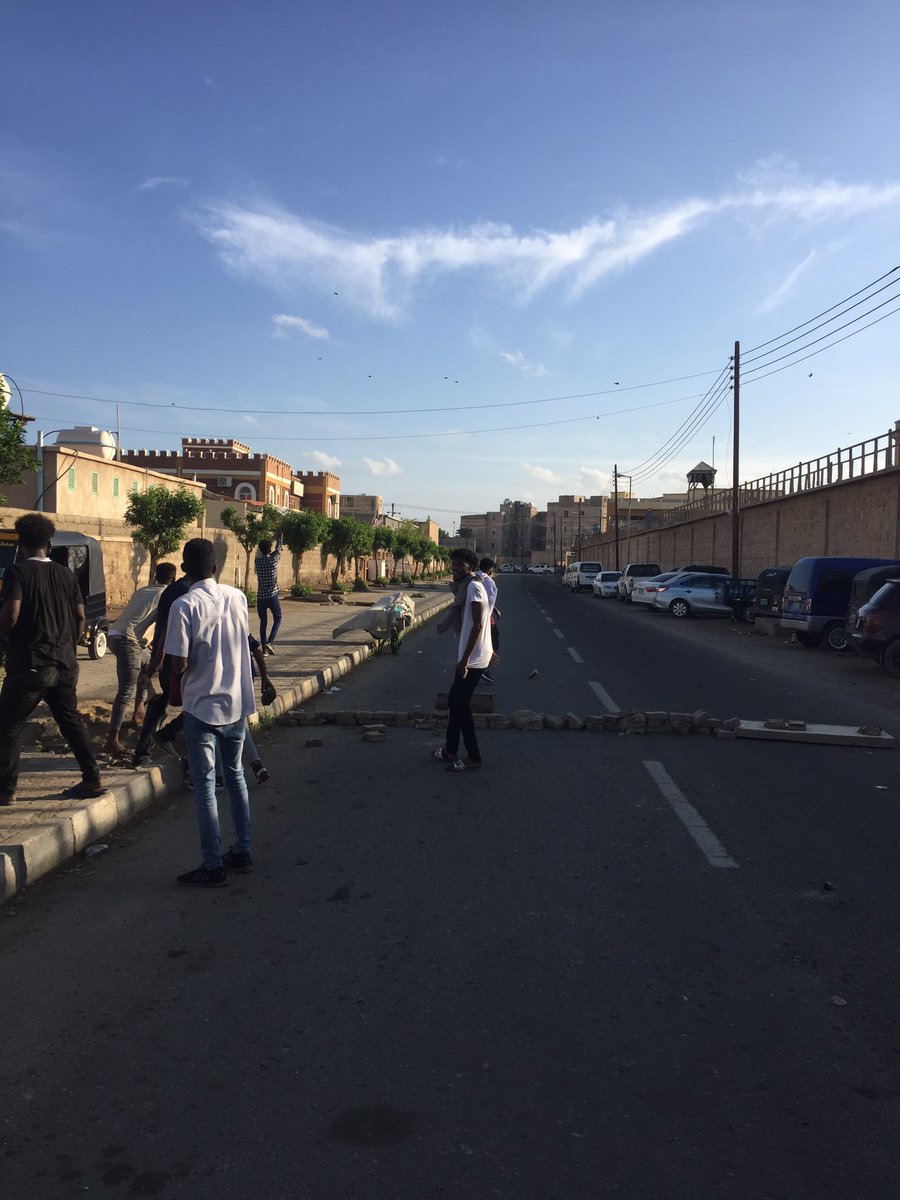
x,y
482,650
489,586
209,627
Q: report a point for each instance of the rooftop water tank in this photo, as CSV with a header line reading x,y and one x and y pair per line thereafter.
x,y
88,438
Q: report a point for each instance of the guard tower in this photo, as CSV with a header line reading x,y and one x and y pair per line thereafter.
x,y
702,476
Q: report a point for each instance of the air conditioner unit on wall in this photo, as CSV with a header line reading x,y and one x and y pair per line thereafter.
x,y
224,481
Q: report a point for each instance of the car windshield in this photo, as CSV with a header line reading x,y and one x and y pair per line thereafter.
x,y
589,568
609,576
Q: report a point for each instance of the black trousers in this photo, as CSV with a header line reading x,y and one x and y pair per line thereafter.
x,y
459,717
19,697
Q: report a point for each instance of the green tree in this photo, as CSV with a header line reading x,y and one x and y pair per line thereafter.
x,y
303,530
342,542
405,538
421,551
363,545
251,528
160,518
16,459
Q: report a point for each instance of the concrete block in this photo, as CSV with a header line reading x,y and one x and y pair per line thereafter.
x,y
657,722
731,723
9,883
374,728
498,721
480,720
314,743
598,724
725,733
386,718
698,718
345,718
526,718
288,721
39,849
551,721
372,736
573,722
828,735
364,718
93,820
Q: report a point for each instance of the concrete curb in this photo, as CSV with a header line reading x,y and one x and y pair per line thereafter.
x,y
45,846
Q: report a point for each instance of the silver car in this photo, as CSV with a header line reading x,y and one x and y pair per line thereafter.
x,y
604,584
685,595
644,590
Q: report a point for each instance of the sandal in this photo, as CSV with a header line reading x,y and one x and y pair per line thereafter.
x,y
456,765
443,755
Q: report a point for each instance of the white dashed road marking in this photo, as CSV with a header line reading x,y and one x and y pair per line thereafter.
x,y
604,697
559,633
575,655
716,854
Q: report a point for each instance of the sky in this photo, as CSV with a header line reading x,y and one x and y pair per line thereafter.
x,y
456,253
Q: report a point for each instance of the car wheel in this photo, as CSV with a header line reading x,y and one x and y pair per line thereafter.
x,y
836,637
747,614
680,608
891,659
809,640
97,644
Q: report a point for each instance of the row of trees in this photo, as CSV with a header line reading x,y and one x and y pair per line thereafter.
x,y
160,518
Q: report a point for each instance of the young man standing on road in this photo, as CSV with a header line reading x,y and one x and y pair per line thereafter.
x,y
265,565
208,639
42,620
126,640
473,657
485,572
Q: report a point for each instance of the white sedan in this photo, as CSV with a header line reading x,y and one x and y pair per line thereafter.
x,y
604,585
540,569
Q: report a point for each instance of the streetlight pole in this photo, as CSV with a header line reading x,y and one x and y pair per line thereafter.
x,y
616,508
735,470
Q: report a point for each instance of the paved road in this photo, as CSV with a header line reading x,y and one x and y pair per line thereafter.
x,y
545,981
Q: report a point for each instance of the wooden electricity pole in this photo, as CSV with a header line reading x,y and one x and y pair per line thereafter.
x,y
616,508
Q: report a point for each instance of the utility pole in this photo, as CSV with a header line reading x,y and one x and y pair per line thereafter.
x,y
735,470
616,508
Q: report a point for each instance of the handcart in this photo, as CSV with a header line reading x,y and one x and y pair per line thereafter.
x,y
387,622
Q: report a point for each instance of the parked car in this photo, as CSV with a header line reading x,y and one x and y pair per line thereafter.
x,y
604,584
506,568
644,590
770,591
865,585
817,596
632,572
581,575
715,595
876,631
540,569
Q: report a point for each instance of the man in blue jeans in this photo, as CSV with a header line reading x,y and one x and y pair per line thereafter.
x,y
265,565
208,640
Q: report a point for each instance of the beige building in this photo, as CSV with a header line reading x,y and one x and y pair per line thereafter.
x,y
573,521
321,492
367,509
482,532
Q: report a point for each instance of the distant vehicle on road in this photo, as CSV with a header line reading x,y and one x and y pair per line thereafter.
x,y
581,575
632,572
541,569
506,568
770,591
711,595
876,629
817,596
644,590
604,584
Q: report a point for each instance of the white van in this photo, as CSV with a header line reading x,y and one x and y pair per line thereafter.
x,y
581,575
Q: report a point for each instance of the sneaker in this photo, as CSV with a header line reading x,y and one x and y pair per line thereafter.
x,y
85,791
456,765
443,755
203,877
269,649
238,860
167,745
262,775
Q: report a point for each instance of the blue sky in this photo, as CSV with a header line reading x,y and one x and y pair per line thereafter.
x,y
329,209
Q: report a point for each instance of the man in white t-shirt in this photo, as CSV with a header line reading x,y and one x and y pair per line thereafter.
x,y
208,638
473,658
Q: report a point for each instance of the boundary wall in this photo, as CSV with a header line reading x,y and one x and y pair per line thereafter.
x,y
855,517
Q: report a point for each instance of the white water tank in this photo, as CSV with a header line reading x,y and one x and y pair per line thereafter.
x,y
89,439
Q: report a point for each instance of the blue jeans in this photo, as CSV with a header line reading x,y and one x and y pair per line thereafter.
x,y
201,741
262,607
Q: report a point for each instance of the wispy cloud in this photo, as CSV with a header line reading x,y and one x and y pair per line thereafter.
x,y
781,292
383,466
594,475
542,473
378,274
152,182
321,459
285,324
518,359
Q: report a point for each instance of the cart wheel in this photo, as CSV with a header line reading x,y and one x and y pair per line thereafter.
x,y
97,644
395,641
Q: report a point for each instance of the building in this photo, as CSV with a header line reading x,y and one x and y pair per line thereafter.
x,y
321,492
572,521
482,533
226,467
368,509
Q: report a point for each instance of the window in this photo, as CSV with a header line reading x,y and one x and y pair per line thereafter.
x,y
565,512
95,483
245,491
70,482
134,485
115,485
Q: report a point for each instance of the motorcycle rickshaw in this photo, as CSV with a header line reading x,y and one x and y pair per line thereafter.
x,y
83,556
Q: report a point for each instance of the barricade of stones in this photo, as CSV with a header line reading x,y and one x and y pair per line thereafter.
x,y
627,721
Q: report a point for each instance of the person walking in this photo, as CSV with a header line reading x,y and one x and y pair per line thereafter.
x,y
265,566
473,657
486,570
126,641
41,622
156,708
208,639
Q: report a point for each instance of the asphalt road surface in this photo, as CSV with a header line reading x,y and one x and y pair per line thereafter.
x,y
646,967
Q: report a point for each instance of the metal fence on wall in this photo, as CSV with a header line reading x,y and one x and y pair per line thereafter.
x,y
881,453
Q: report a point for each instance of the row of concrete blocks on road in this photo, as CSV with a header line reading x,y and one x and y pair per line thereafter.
x,y
626,721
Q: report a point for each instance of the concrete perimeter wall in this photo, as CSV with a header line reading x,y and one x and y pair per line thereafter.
x,y
858,517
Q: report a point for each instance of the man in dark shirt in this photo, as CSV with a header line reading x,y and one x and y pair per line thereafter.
x,y
41,620
156,708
